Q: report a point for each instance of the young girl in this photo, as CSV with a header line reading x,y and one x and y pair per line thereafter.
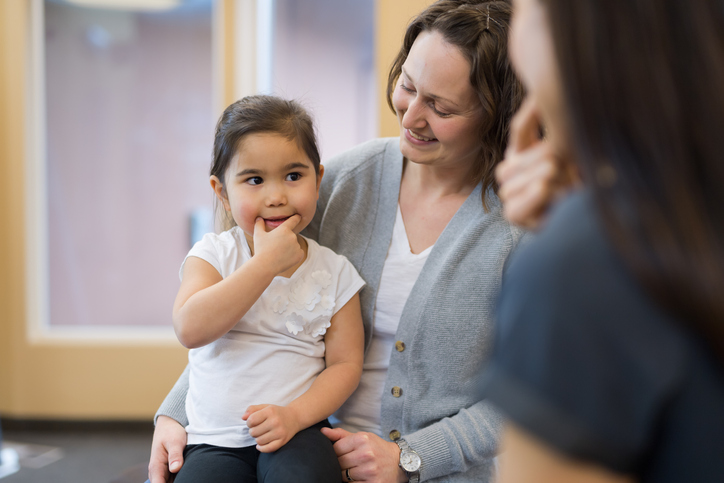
x,y
272,319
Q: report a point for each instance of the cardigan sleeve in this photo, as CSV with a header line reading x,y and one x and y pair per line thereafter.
x,y
174,406
457,443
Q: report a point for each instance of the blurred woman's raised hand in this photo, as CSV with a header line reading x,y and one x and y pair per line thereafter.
x,y
531,177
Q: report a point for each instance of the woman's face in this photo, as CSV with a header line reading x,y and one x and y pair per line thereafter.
x,y
439,111
532,55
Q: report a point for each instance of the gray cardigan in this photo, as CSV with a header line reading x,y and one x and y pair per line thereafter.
x,y
446,324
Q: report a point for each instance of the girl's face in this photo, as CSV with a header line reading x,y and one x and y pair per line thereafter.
x,y
532,54
439,112
272,178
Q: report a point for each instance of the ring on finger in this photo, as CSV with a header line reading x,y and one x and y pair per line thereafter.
x,y
346,473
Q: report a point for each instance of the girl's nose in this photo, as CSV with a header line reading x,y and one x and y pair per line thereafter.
x,y
276,196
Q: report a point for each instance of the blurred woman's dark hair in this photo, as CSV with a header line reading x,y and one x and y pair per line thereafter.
x,y
643,83
480,30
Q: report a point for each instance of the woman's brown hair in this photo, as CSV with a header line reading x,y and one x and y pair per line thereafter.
x,y
643,83
480,30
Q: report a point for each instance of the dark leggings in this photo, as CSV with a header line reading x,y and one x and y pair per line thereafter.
x,y
307,458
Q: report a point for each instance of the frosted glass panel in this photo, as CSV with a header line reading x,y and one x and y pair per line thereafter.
x,y
130,128
324,56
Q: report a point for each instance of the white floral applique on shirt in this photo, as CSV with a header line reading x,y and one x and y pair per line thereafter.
x,y
318,326
309,308
322,277
279,304
305,294
295,323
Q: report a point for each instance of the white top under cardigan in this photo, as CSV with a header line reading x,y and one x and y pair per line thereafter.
x,y
447,322
275,352
361,412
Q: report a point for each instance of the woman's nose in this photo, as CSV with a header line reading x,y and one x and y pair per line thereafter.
x,y
414,116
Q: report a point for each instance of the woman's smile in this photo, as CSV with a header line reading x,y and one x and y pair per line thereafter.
x,y
418,137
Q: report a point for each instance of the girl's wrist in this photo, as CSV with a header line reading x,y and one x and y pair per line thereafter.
x,y
263,266
297,416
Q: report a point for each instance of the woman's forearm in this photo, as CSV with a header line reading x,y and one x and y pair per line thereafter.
x,y
174,406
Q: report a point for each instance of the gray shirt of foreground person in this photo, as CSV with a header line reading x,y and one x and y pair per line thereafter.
x,y
430,397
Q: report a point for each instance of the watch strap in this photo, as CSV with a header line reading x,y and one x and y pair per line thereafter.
x,y
413,476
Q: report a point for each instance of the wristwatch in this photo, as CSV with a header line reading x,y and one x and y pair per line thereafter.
x,y
410,461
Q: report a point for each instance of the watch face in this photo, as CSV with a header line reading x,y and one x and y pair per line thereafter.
x,y
410,461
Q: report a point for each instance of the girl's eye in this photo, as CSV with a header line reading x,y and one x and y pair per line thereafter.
x,y
255,181
294,177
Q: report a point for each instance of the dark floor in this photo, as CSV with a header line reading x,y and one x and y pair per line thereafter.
x,y
79,452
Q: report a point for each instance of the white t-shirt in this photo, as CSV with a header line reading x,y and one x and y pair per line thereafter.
x,y
274,353
361,412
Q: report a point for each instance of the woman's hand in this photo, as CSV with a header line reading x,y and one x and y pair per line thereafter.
x,y
167,450
531,177
280,246
271,426
367,456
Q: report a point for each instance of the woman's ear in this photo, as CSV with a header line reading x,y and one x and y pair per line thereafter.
x,y
218,188
319,178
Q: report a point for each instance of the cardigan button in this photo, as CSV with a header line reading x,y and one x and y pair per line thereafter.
x,y
397,391
400,346
395,435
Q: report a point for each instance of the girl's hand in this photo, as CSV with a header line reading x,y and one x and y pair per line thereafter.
x,y
279,247
271,426
367,456
531,177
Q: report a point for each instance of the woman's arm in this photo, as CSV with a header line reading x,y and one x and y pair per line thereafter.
x,y
450,446
366,456
207,306
273,426
169,441
526,459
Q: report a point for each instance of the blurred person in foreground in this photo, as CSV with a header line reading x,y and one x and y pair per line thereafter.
x,y
609,354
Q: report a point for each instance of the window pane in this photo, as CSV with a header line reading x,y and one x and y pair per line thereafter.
x,y
129,125
324,56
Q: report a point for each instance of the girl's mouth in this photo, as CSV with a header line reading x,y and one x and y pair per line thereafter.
x,y
274,222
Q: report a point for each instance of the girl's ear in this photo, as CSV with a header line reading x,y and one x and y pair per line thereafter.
x,y
218,188
319,178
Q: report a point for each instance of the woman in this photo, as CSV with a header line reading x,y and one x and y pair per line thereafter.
x,y
609,358
419,218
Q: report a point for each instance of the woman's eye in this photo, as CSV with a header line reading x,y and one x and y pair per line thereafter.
x,y
439,113
255,181
294,177
407,89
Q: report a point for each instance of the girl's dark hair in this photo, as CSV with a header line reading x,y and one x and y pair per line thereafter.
x,y
480,30
256,115
643,83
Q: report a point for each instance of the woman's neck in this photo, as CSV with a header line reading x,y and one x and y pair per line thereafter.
x,y
429,198
436,181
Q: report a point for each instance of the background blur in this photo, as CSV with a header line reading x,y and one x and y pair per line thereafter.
x,y
106,126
